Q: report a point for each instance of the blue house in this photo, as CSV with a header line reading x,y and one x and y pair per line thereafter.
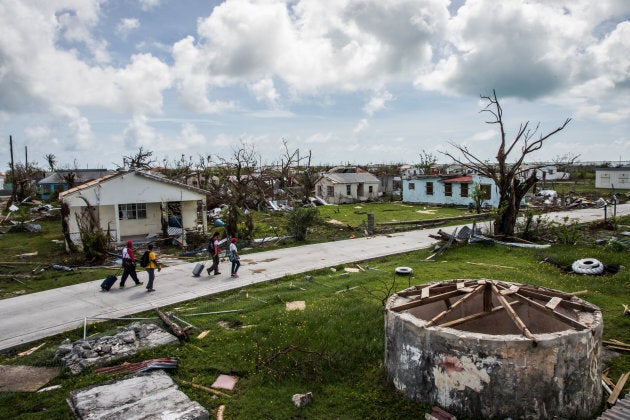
x,y
453,190
60,181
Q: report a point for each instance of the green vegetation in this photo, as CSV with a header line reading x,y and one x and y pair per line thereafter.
x,y
334,348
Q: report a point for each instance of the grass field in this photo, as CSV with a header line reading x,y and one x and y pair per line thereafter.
x,y
334,348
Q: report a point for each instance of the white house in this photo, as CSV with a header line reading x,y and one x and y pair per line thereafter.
x,y
128,204
618,178
448,189
545,173
339,188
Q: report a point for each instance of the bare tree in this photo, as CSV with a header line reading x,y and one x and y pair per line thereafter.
x,y
512,179
141,160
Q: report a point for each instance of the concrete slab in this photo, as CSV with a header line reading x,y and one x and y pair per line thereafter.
x,y
32,317
25,378
150,395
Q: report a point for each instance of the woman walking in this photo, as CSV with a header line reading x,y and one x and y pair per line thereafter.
x,y
236,261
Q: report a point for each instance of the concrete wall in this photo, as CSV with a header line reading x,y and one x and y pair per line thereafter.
x,y
612,177
419,192
476,375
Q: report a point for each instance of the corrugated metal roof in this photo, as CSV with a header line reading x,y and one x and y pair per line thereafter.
x,y
351,178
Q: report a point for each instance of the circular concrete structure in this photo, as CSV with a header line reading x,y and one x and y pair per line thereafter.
x,y
493,349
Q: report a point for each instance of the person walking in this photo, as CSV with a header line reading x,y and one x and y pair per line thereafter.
x,y
213,250
129,265
234,258
153,264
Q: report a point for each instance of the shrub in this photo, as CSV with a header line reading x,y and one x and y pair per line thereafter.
x,y
299,219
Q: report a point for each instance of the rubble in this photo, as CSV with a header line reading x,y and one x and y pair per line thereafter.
x,y
82,354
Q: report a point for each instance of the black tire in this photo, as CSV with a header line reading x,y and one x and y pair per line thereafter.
x,y
404,271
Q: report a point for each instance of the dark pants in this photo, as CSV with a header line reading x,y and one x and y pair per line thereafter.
x,y
151,273
129,270
215,264
236,263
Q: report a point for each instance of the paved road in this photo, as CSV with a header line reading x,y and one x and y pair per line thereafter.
x,y
32,317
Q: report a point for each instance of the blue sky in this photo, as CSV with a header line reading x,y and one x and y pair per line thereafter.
x,y
361,81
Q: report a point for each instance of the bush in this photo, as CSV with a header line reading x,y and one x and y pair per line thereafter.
x,y
299,219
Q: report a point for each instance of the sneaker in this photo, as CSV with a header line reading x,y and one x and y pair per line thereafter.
x,y
139,283
216,273
150,290
122,286
235,275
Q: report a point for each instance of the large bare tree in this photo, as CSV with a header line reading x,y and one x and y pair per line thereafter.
x,y
511,177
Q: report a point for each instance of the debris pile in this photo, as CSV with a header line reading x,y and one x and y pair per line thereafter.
x,y
81,354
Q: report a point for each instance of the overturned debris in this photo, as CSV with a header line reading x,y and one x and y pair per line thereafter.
x,y
143,396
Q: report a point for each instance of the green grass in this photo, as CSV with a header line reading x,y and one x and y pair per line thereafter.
x,y
337,342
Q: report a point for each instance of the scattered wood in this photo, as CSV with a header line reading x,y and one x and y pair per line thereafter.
x,y
618,388
220,411
31,350
202,334
180,333
626,310
27,254
616,345
490,265
205,388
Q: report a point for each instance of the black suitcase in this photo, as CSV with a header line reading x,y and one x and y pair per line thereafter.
x,y
198,269
108,282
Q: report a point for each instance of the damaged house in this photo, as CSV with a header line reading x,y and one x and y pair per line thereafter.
x,y
349,185
618,178
63,179
447,190
134,204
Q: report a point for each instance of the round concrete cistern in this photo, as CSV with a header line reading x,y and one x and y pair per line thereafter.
x,y
495,349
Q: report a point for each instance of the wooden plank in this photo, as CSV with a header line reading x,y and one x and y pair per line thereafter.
x,y
513,315
553,303
618,388
419,302
454,306
426,292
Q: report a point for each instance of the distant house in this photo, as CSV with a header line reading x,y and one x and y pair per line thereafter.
x,y
546,173
60,181
448,189
618,178
134,204
347,187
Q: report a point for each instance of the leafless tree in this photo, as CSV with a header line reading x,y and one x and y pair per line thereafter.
x,y
512,178
142,159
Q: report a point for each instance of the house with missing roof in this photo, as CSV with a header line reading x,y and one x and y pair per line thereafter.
x,y
134,205
340,186
454,189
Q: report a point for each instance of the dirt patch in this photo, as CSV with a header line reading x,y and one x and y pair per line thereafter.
x,y
25,378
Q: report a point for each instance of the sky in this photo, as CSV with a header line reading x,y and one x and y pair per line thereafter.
x,y
351,81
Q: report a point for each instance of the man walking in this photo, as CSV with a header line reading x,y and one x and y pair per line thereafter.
x,y
129,265
213,249
153,264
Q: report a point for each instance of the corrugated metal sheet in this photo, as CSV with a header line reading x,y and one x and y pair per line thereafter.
x,y
619,411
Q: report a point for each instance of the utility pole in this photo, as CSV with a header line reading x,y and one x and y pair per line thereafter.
x,y
13,185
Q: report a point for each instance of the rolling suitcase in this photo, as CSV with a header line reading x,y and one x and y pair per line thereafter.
x,y
108,282
198,269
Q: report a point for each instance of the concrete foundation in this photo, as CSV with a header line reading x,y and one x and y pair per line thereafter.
x,y
454,344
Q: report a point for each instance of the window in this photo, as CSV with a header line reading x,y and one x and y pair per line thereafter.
x,y
132,211
348,189
463,190
330,191
487,192
429,188
448,189
412,186
370,189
